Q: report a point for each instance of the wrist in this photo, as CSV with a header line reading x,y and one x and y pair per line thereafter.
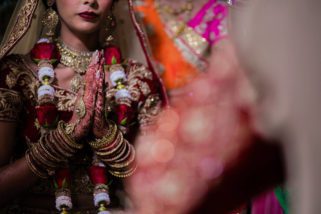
x,y
52,149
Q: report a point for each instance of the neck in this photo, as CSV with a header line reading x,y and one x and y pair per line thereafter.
x,y
80,42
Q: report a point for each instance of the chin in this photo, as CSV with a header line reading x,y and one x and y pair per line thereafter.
x,y
87,28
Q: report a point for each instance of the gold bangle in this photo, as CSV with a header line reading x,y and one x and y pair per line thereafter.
x,y
33,168
119,140
67,138
38,156
44,149
129,152
62,143
123,174
56,147
115,158
125,164
52,148
107,139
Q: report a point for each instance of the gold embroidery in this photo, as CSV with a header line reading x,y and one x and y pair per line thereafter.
x,y
139,71
11,80
110,94
192,45
23,21
144,87
136,84
65,101
10,105
149,110
22,76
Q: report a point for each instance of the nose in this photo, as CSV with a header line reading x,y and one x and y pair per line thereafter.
x,y
92,3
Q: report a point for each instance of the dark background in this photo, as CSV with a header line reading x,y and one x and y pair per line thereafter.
x,y
6,9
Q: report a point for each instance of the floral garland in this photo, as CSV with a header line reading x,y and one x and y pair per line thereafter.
x,y
47,56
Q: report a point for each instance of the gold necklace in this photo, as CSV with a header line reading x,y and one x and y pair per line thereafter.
x,y
77,60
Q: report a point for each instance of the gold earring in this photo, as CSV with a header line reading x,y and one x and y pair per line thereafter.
x,y
50,20
110,27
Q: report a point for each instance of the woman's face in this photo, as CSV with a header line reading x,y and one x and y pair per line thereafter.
x,y
83,16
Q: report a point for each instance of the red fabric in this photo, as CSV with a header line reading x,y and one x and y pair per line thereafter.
x,y
47,115
63,178
45,51
112,55
124,114
98,175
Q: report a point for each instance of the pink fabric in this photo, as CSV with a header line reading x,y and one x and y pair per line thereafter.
x,y
208,22
266,204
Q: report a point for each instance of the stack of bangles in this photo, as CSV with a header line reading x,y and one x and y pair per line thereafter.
x,y
53,148
116,152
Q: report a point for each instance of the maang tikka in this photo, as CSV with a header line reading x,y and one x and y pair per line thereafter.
x,y
50,20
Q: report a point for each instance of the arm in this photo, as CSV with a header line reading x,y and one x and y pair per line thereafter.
x,y
52,149
15,177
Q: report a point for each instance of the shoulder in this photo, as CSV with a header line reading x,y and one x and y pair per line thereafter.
x,y
14,67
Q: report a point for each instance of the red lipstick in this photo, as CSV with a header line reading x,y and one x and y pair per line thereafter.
x,y
88,15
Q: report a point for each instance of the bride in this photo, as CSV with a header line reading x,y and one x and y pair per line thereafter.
x,y
70,105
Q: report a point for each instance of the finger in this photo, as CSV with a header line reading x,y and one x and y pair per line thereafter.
x,y
99,122
87,97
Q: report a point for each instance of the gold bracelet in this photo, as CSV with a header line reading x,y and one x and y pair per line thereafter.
x,y
125,164
38,156
67,138
115,158
54,144
119,140
123,174
44,149
62,143
107,139
52,148
33,168
106,150
129,152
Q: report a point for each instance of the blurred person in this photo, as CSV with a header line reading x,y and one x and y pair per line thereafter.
x,y
70,105
207,154
182,36
279,42
169,24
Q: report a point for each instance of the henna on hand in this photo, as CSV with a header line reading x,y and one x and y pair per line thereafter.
x,y
100,124
84,112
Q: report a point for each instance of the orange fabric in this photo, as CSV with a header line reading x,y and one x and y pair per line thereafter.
x,y
177,71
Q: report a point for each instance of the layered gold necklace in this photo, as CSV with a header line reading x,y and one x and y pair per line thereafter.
x,y
77,60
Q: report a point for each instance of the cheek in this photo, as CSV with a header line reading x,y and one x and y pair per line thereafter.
x,y
105,6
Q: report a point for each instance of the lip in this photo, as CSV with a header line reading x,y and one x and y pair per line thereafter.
x,y
88,15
